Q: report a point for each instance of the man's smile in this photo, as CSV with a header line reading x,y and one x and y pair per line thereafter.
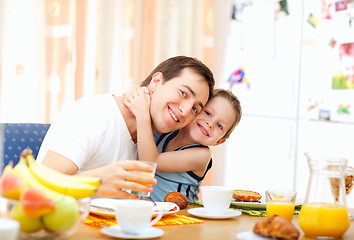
x,y
173,115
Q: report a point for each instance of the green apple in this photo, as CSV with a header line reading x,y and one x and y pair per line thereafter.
x,y
64,216
28,224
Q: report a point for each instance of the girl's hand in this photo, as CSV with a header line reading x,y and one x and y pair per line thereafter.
x,y
138,101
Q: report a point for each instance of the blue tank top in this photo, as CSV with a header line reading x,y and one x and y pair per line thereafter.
x,y
187,183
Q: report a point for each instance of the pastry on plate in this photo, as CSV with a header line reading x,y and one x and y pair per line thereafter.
x,y
176,197
246,196
277,227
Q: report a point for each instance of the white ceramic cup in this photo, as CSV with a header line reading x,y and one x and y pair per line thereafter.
x,y
9,229
134,216
216,199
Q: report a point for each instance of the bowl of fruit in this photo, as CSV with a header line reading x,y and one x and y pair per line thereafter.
x,y
44,220
46,203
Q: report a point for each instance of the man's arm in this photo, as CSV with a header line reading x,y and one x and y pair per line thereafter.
x,y
66,166
114,177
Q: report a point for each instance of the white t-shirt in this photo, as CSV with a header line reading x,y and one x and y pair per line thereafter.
x,y
91,132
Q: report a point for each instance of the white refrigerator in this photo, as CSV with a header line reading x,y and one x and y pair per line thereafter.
x,y
286,92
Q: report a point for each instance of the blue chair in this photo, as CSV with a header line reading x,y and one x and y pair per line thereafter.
x,y
18,136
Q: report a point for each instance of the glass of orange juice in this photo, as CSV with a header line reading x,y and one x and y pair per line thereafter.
x,y
281,203
150,174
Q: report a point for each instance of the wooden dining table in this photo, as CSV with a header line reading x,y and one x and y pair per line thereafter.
x,y
219,229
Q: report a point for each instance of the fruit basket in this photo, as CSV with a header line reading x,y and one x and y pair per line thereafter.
x,y
65,218
47,204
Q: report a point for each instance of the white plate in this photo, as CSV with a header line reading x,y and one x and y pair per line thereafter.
x,y
250,236
114,231
166,207
256,205
201,212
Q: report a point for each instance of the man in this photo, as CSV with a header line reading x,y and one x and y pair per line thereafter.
x,y
95,135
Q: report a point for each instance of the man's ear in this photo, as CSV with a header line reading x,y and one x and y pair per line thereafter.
x,y
157,79
220,141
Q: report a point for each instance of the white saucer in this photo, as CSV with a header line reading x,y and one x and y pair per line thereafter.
x,y
250,236
201,212
114,231
99,207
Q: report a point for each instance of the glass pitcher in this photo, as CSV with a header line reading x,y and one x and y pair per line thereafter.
x,y
324,212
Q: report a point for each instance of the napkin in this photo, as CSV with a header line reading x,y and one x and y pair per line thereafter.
x,y
171,219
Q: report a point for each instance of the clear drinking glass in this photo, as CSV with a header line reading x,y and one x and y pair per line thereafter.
x,y
324,212
280,202
150,174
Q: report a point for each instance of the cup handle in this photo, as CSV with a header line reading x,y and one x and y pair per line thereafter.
x,y
158,217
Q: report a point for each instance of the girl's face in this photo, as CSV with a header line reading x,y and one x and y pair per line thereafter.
x,y
212,123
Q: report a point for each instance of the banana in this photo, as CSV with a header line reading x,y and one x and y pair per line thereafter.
x,y
94,181
62,184
22,171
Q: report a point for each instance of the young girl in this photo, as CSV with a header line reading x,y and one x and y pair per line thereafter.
x,y
183,157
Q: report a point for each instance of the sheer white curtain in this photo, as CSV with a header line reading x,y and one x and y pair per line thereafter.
x,y
53,52
22,74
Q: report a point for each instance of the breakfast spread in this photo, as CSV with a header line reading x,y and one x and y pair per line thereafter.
x,y
176,197
246,195
277,227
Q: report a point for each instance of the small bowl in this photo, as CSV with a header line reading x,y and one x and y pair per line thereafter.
x,y
53,225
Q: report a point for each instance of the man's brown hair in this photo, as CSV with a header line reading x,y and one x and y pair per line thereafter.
x,y
173,67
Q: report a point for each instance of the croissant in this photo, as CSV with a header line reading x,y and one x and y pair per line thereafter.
x,y
176,197
277,227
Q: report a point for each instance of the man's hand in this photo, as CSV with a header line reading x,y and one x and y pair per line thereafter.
x,y
123,175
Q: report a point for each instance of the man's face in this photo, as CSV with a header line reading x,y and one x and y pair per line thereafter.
x,y
175,103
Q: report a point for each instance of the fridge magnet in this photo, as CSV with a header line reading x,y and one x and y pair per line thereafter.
x,y
312,105
341,5
326,14
238,77
342,113
344,79
312,109
343,109
325,115
281,9
312,20
332,42
238,9
325,110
